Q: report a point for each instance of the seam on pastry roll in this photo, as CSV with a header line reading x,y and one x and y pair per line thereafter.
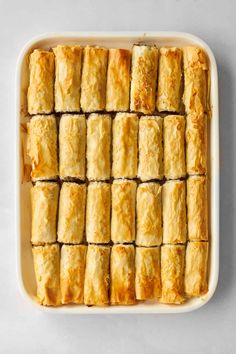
x,y
42,147
122,275
44,205
143,79
71,215
97,276
47,273
72,145
99,146
41,82
150,148
68,64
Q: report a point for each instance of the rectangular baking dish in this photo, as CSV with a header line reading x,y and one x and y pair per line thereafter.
x,y
25,270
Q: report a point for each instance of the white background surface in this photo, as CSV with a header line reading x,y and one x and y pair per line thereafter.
x,y
209,330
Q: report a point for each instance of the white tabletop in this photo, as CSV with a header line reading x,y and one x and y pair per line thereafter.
x,y
208,330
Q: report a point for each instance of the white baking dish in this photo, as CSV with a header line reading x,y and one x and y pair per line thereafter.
x,y
23,218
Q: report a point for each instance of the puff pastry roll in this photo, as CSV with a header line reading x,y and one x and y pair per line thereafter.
x,y
122,275
68,63
196,143
47,273
72,272
169,80
98,146
144,79
195,280
98,213
197,208
195,80
94,75
150,148
149,215
147,273
97,276
125,150
41,82
118,80
174,148
71,216
174,212
72,142
42,147
44,204
123,211
172,274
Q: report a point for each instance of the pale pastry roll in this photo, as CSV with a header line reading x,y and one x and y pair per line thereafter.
x,y
68,63
147,273
118,80
149,215
174,147
72,143
41,82
42,147
195,280
196,143
172,274
169,80
150,148
72,270
71,216
123,211
197,206
98,146
47,273
195,80
174,212
97,276
125,149
144,79
44,205
98,213
122,275
93,84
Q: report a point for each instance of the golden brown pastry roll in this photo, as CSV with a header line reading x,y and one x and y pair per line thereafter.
x,y
41,82
147,273
195,80
47,273
174,148
44,204
144,79
125,150
71,216
123,211
97,276
118,80
174,212
196,143
98,213
195,280
122,275
72,272
93,84
42,147
150,148
169,80
68,62
98,146
172,274
149,215
72,142
197,208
